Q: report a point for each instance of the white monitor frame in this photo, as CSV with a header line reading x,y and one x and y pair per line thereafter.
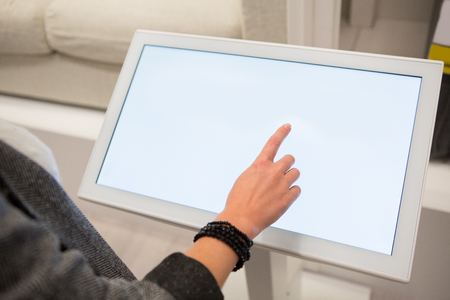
x,y
396,266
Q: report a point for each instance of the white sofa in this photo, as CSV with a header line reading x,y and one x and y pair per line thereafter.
x,y
72,51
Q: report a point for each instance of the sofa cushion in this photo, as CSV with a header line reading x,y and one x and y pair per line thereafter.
x,y
22,27
102,30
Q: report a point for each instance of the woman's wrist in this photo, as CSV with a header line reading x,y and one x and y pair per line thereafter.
x,y
231,236
242,224
215,255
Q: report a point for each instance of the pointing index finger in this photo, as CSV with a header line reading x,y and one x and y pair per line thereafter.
x,y
273,144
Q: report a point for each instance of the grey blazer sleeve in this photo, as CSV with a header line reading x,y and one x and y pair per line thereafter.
x,y
50,250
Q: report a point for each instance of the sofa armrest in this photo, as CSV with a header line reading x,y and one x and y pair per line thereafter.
x,y
28,144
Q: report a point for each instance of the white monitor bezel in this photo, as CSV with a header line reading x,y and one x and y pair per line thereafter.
x,y
395,267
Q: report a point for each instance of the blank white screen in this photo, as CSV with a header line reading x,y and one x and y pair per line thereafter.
x,y
193,121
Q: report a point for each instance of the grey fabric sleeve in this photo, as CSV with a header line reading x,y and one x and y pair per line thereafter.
x,y
49,249
35,265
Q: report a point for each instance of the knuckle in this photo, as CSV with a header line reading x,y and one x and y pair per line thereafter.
x,y
259,164
289,158
275,142
296,190
295,172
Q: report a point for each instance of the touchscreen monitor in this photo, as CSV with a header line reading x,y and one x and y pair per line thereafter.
x,y
189,114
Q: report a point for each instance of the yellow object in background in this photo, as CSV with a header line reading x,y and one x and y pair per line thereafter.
x,y
442,53
440,48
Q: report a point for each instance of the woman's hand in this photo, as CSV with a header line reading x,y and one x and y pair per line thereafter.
x,y
263,192
259,197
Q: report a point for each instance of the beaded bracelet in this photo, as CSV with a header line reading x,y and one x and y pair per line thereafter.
x,y
230,235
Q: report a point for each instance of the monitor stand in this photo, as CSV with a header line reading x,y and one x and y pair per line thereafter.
x,y
267,276
274,276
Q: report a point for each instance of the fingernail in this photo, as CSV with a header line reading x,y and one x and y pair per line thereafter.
x,y
287,126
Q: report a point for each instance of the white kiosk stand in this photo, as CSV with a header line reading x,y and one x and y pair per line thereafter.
x,y
266,274
270,277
